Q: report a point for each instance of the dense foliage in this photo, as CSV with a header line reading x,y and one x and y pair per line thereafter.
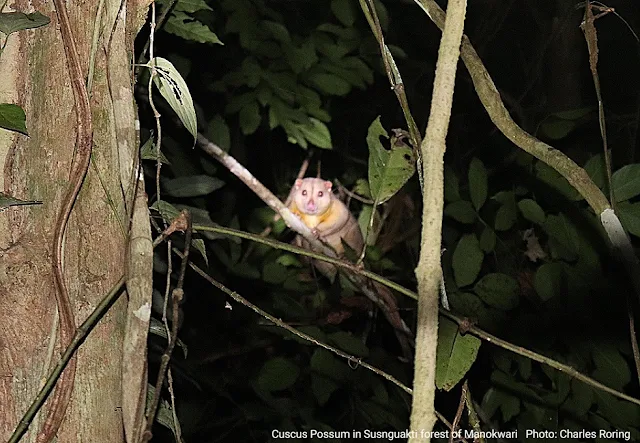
x,y
524,258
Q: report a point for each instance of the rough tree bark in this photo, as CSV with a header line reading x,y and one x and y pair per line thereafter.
x,y
35,76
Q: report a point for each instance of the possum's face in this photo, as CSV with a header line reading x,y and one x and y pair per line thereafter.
x,y
312,195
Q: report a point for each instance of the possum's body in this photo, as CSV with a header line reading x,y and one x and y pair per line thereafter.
x,y
325,215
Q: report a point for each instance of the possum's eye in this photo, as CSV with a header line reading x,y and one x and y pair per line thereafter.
x,y
320,193
304,192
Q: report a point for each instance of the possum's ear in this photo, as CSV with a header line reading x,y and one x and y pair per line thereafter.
x,y
298,183
327,185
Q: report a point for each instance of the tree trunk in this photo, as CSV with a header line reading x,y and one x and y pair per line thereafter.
x,y
35,75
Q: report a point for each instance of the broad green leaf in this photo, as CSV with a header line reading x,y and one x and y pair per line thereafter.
x,y
277,374
198,245
451,185
191,6
274,273
166,210
148,151
164,416
362,188
191,186
11,22
356,64
316,133
461,211
322,388
349,343
580,399
277,30
505,217
467,304
626,182
330,84
13,118
7,200
249,118
487,240
345,11
560,124
218,132
176,92
531,211
629,214
498,290
467,260
563,236
301,58
596,169
552,178
455,354
189,28
477,183
389,169
611,368
548,280
325,363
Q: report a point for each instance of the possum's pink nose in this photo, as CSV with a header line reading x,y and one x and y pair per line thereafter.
x,y
311,206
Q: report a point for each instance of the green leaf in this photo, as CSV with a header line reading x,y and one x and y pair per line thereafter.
x,y
198,245
164,416
467,260
191,6
345,11
349,343
548,280
176,92
487,240
322,388
461,211
563,237
325,363
303,57
166,210
451,185
189,28
597,171
455,354
389,169
552,178
330,84
274,273
277,30
580,399
316,133
505,218
13,118
11,22
249,118
218,132
626,182
498,290
7,200
191,186
477,183
148,151
277,374
611,368
629,214
560,124
506,215
531,211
